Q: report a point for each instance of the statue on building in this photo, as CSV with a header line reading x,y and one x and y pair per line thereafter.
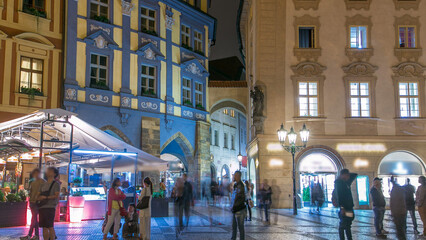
x,y
257,96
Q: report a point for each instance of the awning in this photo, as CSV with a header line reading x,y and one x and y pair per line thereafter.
x,y
85,136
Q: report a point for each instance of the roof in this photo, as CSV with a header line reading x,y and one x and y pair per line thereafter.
x,y
227,69
227,84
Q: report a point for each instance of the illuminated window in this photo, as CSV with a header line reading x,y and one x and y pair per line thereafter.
x,y
232,113
225,140
407,37
308,99
199,95
148,80
31,74
148,19
360,99
409,99
198,41
99,71
99,10
186,36
358,36
186,91
225,111
306,37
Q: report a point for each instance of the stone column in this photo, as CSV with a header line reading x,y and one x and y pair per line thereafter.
x,y
202,157
150,143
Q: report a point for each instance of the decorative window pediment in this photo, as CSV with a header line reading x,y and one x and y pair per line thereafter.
x,y
409,70
308,28
101,40
308,69
306,4
364,51
406,4
195,68
150,52
34,38
359,69
407,38
358,4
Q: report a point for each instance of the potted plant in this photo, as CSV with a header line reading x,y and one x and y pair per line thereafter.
x,y
186,46
76,206
149,93
13,210
150,32
77,181
99,85
200,106
187,103
32,92
101,19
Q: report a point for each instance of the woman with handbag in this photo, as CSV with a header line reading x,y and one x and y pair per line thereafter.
x,y
144,205
115,204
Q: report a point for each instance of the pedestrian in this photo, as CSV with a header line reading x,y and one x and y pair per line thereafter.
x,y
35,184
115,202
410,203
421,201
130,226
145,214
398,209
48,199
379,206
238,206
163,187
265,193
342,186
249,202
187,201
213,190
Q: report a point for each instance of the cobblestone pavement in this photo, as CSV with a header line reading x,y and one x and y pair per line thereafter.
x,y
215,223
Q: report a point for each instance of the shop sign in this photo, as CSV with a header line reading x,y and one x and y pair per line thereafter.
x,y
12,159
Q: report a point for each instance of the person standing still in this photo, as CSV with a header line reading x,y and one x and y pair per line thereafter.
x,y
238,207
145,214
410,203
421,201
49,197
398,209
265,198
115,201
345,202
34,189
379,206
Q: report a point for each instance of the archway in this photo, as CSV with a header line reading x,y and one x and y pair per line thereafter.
x,y
115,132
213,172
225,174
403,165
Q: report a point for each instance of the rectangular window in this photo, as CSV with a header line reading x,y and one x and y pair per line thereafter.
x,y
407,37
148,80
198,41
99,9
232,142
225,140
358,36
186,36
225,111
232,113
148,19
99,71
409,99
31,76
306,37
216,138
308,99
199,93
186,91
29,5
360,99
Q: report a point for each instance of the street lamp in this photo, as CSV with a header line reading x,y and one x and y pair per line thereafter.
x,y
240,159
293,149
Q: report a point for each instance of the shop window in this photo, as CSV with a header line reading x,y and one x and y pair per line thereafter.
x,y
358,36
186,91
407,37
198,42
199,95
148,81
308,99
409,99
148,21
99,10
360,99
99,71
34,7
306,37
225,140
31,75
186,36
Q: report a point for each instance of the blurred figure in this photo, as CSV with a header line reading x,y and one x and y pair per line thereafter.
x,y
213,190
48,199
398,209
238,207
131,221
184,199
249,201
379,206
145,214
410,203
317,196
115,201
421,201
345,202
265,199
163,187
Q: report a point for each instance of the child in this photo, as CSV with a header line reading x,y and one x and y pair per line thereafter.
x,y
131,222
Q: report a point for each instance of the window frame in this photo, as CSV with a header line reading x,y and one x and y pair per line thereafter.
x,y
148,18
366,36
225,140
187,88
409,97
406,35
313,38
359,97
31,71
149,77
97,2
34,6
186,34
198,92
107,77
199,41
308,97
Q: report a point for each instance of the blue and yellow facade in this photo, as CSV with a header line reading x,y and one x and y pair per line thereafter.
x,y
31,56
129,63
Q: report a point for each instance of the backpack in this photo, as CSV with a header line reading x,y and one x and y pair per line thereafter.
x,y
334,198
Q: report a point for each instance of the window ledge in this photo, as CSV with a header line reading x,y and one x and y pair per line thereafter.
x,y
360,54
357,5
400,4
409,54
361,118
310,118
306,4
307,53
35,18
411,118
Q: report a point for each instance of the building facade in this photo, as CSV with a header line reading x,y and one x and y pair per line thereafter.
x,y
139,70
353,72
31,56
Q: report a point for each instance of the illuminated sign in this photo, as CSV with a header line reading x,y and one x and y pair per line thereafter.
x,y
274,147
359,163
361,147
276,163
12,159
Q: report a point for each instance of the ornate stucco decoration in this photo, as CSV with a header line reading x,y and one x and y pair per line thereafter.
x,y
307,53
257,96
94,27
98,98
149,105
194,69
148,40
127,7
360,4
306,4
200,116
100,42
126,102
404,4
149,54
359,54
71,94
124,118
170,21
187,113
408,70
408,54
359,69
170,109
308,69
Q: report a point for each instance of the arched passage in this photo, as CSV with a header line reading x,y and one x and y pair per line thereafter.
x,y
115,132
225,173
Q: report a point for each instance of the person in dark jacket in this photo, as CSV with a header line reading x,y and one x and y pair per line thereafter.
x,y
379,206
398,210
345,202
265,197
410,203
238,207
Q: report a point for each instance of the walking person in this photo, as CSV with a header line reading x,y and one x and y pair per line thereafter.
x,y
421,201
145,214
379,206
187,201
249,202
398,209
115,202
265,193
35,184
238,207
410,203
343,191
48,199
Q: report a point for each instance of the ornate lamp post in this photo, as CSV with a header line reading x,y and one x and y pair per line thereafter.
x,y
240,159
293,149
